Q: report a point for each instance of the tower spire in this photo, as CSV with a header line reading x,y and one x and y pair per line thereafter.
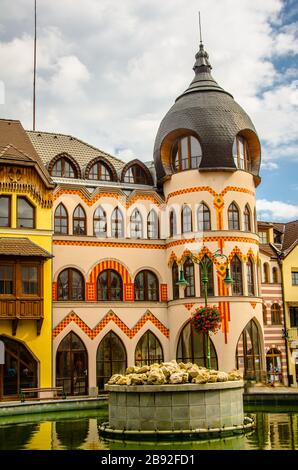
x,y
202,63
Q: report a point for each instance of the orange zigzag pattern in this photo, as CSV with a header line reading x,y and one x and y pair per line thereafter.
x,y
110,316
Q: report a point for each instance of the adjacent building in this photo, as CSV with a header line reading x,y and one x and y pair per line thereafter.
x,y
289,263
26,197
272,295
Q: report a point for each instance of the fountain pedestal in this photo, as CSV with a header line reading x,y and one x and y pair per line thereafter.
x,y
184,408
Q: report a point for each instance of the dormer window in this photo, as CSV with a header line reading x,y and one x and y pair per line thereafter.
x,y
63,168
186,153
241,153
99,171
135,174
277,237
263,234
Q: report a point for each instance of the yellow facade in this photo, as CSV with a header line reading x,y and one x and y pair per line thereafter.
x,y
39,345
289,264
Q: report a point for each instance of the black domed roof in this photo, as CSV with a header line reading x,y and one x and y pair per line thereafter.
x,y
211,113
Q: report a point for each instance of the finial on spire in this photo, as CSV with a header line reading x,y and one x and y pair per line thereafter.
x,y
202,63
201,41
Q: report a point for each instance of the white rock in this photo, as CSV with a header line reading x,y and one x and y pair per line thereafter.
x,y
113,380
124,380
132,370
143,370
156,377
235,375
178,378
222,377
193,371
138,379
201,378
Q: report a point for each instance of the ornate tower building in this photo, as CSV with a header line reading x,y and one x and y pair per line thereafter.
x,y
207,159
122,232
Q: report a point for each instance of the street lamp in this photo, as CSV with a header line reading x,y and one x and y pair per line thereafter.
x,y
205,265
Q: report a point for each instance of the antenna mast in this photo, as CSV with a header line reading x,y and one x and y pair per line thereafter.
x,y
200,28
34,69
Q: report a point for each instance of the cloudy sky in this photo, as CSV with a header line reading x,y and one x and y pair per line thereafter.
x,y
109,70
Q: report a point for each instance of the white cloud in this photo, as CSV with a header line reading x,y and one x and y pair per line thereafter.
x,y
276,210
110,71
286,41
69,76
271,166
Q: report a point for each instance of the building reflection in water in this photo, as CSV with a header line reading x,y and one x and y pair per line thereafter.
x,y
273,431
63,435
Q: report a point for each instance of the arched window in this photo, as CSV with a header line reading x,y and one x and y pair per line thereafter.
x,y
250,277
63,168
275,314
273,365
152,225
135,174
146,286
266,273
173,223
175,279
203,215
264,314
100,171
117,224
192,347
189,274
109,285
236,272
148,350
72,365
186,219
247,219
186,153
136,225
248,352
61,220
19,369
79,221
210,285
25,213
110,358
100,223
241,153
71,285
275,275
233,217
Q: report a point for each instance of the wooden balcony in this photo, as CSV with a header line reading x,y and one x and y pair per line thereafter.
x,y
21,309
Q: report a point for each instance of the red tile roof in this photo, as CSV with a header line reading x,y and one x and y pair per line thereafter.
x,y
21,247
16,145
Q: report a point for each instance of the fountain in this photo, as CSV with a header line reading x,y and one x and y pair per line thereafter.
x,y
171,399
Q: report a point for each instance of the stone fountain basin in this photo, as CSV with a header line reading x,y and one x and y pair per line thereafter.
x,y
181,408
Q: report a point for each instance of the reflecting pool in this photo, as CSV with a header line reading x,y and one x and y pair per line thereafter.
x,y
276,429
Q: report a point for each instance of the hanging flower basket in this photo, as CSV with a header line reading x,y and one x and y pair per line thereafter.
x,y
206,319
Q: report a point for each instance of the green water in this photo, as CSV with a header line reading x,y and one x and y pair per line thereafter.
x,y
277,428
